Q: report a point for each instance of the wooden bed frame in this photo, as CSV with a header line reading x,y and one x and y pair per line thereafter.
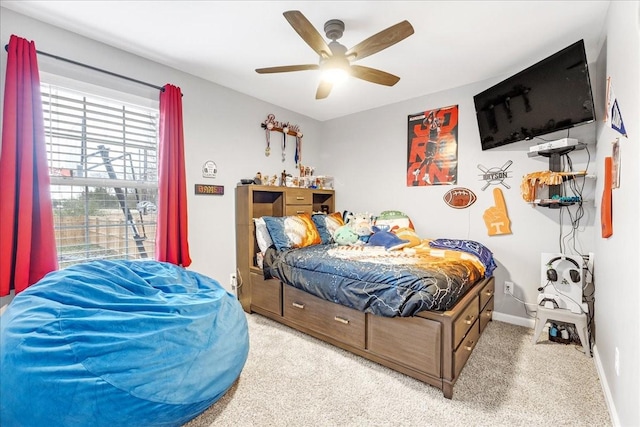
x,y
432,346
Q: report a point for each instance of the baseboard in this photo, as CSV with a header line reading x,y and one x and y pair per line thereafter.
x,y
608,398
514,320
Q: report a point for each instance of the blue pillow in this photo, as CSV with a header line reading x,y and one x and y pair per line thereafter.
x,y
471,247
327,224
294,231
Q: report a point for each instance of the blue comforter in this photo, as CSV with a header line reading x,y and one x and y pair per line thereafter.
x,y
372,280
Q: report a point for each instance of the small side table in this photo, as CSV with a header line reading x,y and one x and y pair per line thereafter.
x,y
562,315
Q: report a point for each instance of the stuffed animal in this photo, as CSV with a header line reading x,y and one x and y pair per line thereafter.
x,y
361,224
345,236
387,239
394,220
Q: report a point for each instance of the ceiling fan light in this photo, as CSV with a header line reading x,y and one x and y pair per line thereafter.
x,y
335,75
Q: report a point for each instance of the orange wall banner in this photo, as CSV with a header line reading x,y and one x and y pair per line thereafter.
x,y
606,207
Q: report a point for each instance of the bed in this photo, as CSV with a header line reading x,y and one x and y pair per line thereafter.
x,y
426,328
419,310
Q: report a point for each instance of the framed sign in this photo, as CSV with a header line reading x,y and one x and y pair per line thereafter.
x,y
209,190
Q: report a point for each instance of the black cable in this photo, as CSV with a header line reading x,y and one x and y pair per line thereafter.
x,y
577,190
561,250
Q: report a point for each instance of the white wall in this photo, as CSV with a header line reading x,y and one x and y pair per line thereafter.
x,y
616,270
219,124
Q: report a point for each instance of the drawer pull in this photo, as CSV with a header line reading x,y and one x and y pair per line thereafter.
x,y
488,313
469,347
489,293
297,305
469,319
299,197
341,320
299,212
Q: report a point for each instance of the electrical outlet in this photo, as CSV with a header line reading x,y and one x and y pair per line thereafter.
x,y
616,362
508,288
233,281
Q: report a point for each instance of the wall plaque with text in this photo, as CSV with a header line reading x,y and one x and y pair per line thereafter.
x,y
210,189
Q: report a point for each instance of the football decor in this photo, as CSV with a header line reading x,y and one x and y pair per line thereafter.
x,y
459,198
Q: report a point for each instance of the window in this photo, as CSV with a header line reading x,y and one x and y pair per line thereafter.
x,y
102,157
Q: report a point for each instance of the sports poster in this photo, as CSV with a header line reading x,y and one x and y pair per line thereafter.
x,y
432,147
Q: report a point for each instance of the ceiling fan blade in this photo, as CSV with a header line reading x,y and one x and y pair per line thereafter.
x,y
287,68
308,32
324,89
374,76
381,40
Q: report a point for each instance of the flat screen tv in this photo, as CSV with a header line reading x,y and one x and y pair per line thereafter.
x,y
551,95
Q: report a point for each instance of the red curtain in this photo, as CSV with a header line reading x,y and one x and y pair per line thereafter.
x,y
27,239
171,234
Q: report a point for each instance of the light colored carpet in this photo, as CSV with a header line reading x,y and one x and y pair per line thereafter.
x,y
292,379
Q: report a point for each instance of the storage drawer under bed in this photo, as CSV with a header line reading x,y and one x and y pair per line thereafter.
x,y
265,294
465,321
465,349
486,314
486,304
333,320
412,341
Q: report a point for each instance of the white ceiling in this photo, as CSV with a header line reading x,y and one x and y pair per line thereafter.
x,y
455,42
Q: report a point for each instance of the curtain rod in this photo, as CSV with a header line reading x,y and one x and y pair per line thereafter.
x,y
6,48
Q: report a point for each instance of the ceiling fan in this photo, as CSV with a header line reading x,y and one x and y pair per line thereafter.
x,y
334,56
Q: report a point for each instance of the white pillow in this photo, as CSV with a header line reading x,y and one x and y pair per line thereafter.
x,y
262,235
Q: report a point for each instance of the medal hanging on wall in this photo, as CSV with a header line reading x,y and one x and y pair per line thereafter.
x,y
298,155
285,130
268,127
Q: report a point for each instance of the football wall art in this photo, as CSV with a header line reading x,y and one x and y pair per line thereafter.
x,y
432,147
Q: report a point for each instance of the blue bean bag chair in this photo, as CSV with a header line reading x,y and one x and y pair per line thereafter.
x,y
119,343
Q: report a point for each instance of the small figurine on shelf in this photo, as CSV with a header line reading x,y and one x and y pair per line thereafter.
x,y
273,180
258,179
283,178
